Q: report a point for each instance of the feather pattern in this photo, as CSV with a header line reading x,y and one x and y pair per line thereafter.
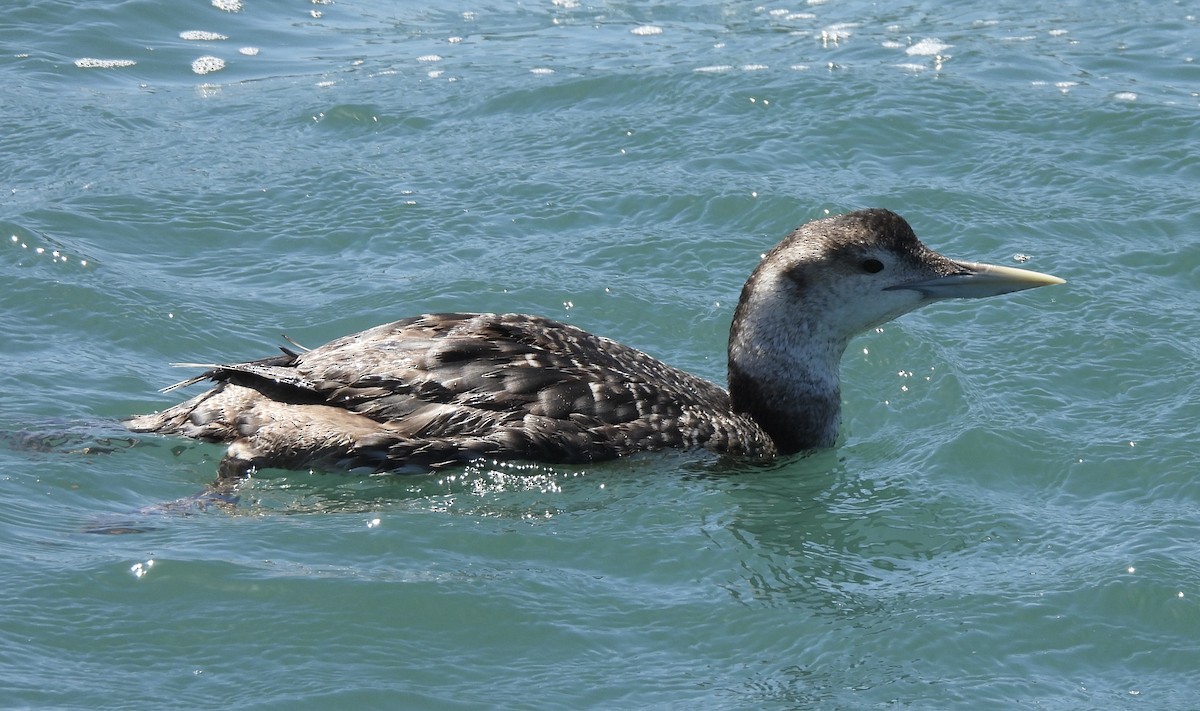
x,y
439,389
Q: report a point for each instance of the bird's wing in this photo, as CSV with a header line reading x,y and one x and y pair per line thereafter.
x,y
453,374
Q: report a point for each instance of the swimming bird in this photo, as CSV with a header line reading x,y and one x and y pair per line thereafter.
x,y
439,389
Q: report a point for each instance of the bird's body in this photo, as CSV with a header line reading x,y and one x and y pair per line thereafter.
x,y
443,388
439,389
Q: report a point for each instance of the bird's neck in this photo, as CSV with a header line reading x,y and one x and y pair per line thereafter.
x,y
786,380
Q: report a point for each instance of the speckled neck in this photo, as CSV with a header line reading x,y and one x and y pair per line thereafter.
x,y
784,356
794,395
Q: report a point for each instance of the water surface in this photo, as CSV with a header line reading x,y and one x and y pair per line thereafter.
x,y
1010,518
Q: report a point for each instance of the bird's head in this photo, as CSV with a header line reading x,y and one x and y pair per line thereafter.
x,y
834,278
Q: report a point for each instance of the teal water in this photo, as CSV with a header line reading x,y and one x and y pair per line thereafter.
x,y
1009,521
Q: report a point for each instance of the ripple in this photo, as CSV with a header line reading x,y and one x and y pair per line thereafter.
x,y
55,255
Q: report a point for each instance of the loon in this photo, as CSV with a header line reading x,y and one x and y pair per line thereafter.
x,y
447,388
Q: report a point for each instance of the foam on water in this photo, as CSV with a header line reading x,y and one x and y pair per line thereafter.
x,y
201,36
207,64
927,48
93,63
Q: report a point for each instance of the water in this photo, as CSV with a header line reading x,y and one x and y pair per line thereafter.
x,y
1010,518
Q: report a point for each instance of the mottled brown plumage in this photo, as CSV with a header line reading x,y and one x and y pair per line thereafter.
x,y
440,389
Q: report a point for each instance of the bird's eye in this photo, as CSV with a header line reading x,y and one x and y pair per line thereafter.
x,y
872,266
